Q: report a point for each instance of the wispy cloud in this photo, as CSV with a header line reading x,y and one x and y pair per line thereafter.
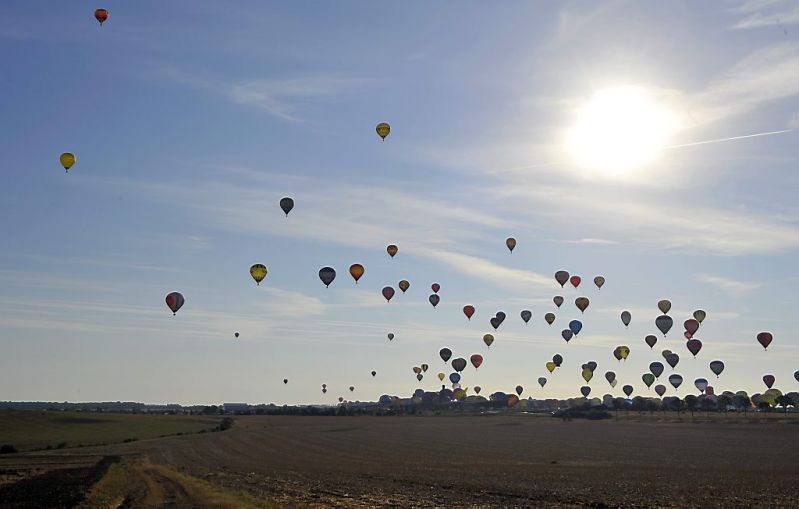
x,y
293,304
591,241
731,286
765,13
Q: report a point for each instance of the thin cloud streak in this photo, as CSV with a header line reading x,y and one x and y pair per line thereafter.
x,y
731,286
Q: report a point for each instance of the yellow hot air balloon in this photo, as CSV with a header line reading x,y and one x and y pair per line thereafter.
x,y
488,339
587,374
258,272
551,366
441,376
383,129
624,351
67,160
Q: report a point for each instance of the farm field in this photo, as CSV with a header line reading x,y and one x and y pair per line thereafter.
x,y
488,461
30,430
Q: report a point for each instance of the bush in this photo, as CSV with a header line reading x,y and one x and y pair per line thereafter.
x,y
8,449
583,412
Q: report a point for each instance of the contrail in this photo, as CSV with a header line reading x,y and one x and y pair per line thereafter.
x,y
720,140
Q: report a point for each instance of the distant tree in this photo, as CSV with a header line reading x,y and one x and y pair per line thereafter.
x,y
784,400
763,405
651,405
690,402
707,404
742,401
724,402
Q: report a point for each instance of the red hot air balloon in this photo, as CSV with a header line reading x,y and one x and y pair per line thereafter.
x,y
468,310
691,325
175,301
388,292
561,277
765,338
476,360
575,281
511,243
435,287
101,15
768,380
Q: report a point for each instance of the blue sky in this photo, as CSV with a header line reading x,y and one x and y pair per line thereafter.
x,y
191,121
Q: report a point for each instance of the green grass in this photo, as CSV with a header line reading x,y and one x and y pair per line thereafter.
x,y
32,430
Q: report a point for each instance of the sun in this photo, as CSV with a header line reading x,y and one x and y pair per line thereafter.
x,y
620,130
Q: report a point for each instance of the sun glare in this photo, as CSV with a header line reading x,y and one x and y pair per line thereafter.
x,y
620,130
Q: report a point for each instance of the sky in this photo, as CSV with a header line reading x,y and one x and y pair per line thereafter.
x,y
190,120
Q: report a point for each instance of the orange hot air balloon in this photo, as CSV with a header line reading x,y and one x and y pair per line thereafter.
x,y
101,15
392,250
356,271
468,310
511,243
388,292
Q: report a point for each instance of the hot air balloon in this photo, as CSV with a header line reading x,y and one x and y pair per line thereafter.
x,y
581,303
765,338
434,299
672,359
664,323
575,281
495,322
717,367
441,376
324,386
700,315
660,390
656,368
624,351
388,292
610,376
599,281
691,326
675,380
591,365
585,391
324,391
768,380
286,204
575,326
694,345
476,360
488,339
796,375
526,315
558,300
382,130
551,366
258,273
511,243
501,316
435,287
626,317
664,306
614,382
561,277
557,359
587,374
390,336
648,379
236,335
700,384
519,390
512,400
549,318
468,310
627,390
67,160
459,364
285,381
454,378
356,271
101,15
542,381
425,367
445,354
665,353
417,370
567,334
352,388
617,354
404,285
651,340
392,250
340,399
175,301
327,275
374,373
